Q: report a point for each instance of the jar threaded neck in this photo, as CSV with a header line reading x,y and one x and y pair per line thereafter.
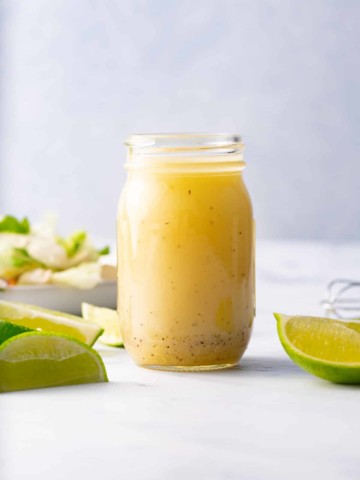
x,y
185,152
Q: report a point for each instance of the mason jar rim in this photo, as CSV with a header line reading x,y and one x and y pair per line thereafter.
x,y
183,141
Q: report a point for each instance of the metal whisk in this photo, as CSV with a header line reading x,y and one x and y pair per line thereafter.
x,y
343,299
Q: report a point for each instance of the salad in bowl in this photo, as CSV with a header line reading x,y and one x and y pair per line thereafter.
x,y
36,255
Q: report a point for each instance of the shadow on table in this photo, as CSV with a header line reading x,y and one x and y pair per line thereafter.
x,y
252,365
281,367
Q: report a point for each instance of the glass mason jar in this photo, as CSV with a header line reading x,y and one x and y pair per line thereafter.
x,y
185,252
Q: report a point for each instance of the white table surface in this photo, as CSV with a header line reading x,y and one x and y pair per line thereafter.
x,y
265,419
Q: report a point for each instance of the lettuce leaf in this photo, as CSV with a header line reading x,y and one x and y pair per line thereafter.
x,y
104,251
73,243
84,276
37,276
13,262
13,225
79,242
20,258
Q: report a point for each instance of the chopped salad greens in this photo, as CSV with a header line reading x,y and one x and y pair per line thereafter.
x,y
36,255
12,224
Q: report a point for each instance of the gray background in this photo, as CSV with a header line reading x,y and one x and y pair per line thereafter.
x,y
78,76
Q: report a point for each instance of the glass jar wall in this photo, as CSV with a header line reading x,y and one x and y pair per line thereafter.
x,y
185,252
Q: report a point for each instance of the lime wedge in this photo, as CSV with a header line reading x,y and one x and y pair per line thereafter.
x,y
39,359
8,330
108,320
327,348
50,321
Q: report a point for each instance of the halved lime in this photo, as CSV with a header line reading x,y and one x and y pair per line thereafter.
x,y
327,348
39,359
108,320
8,330
49,320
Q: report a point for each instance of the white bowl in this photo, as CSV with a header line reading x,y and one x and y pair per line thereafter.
x,y
64,299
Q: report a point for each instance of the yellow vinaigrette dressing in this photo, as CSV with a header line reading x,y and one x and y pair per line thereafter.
x,y
185,252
